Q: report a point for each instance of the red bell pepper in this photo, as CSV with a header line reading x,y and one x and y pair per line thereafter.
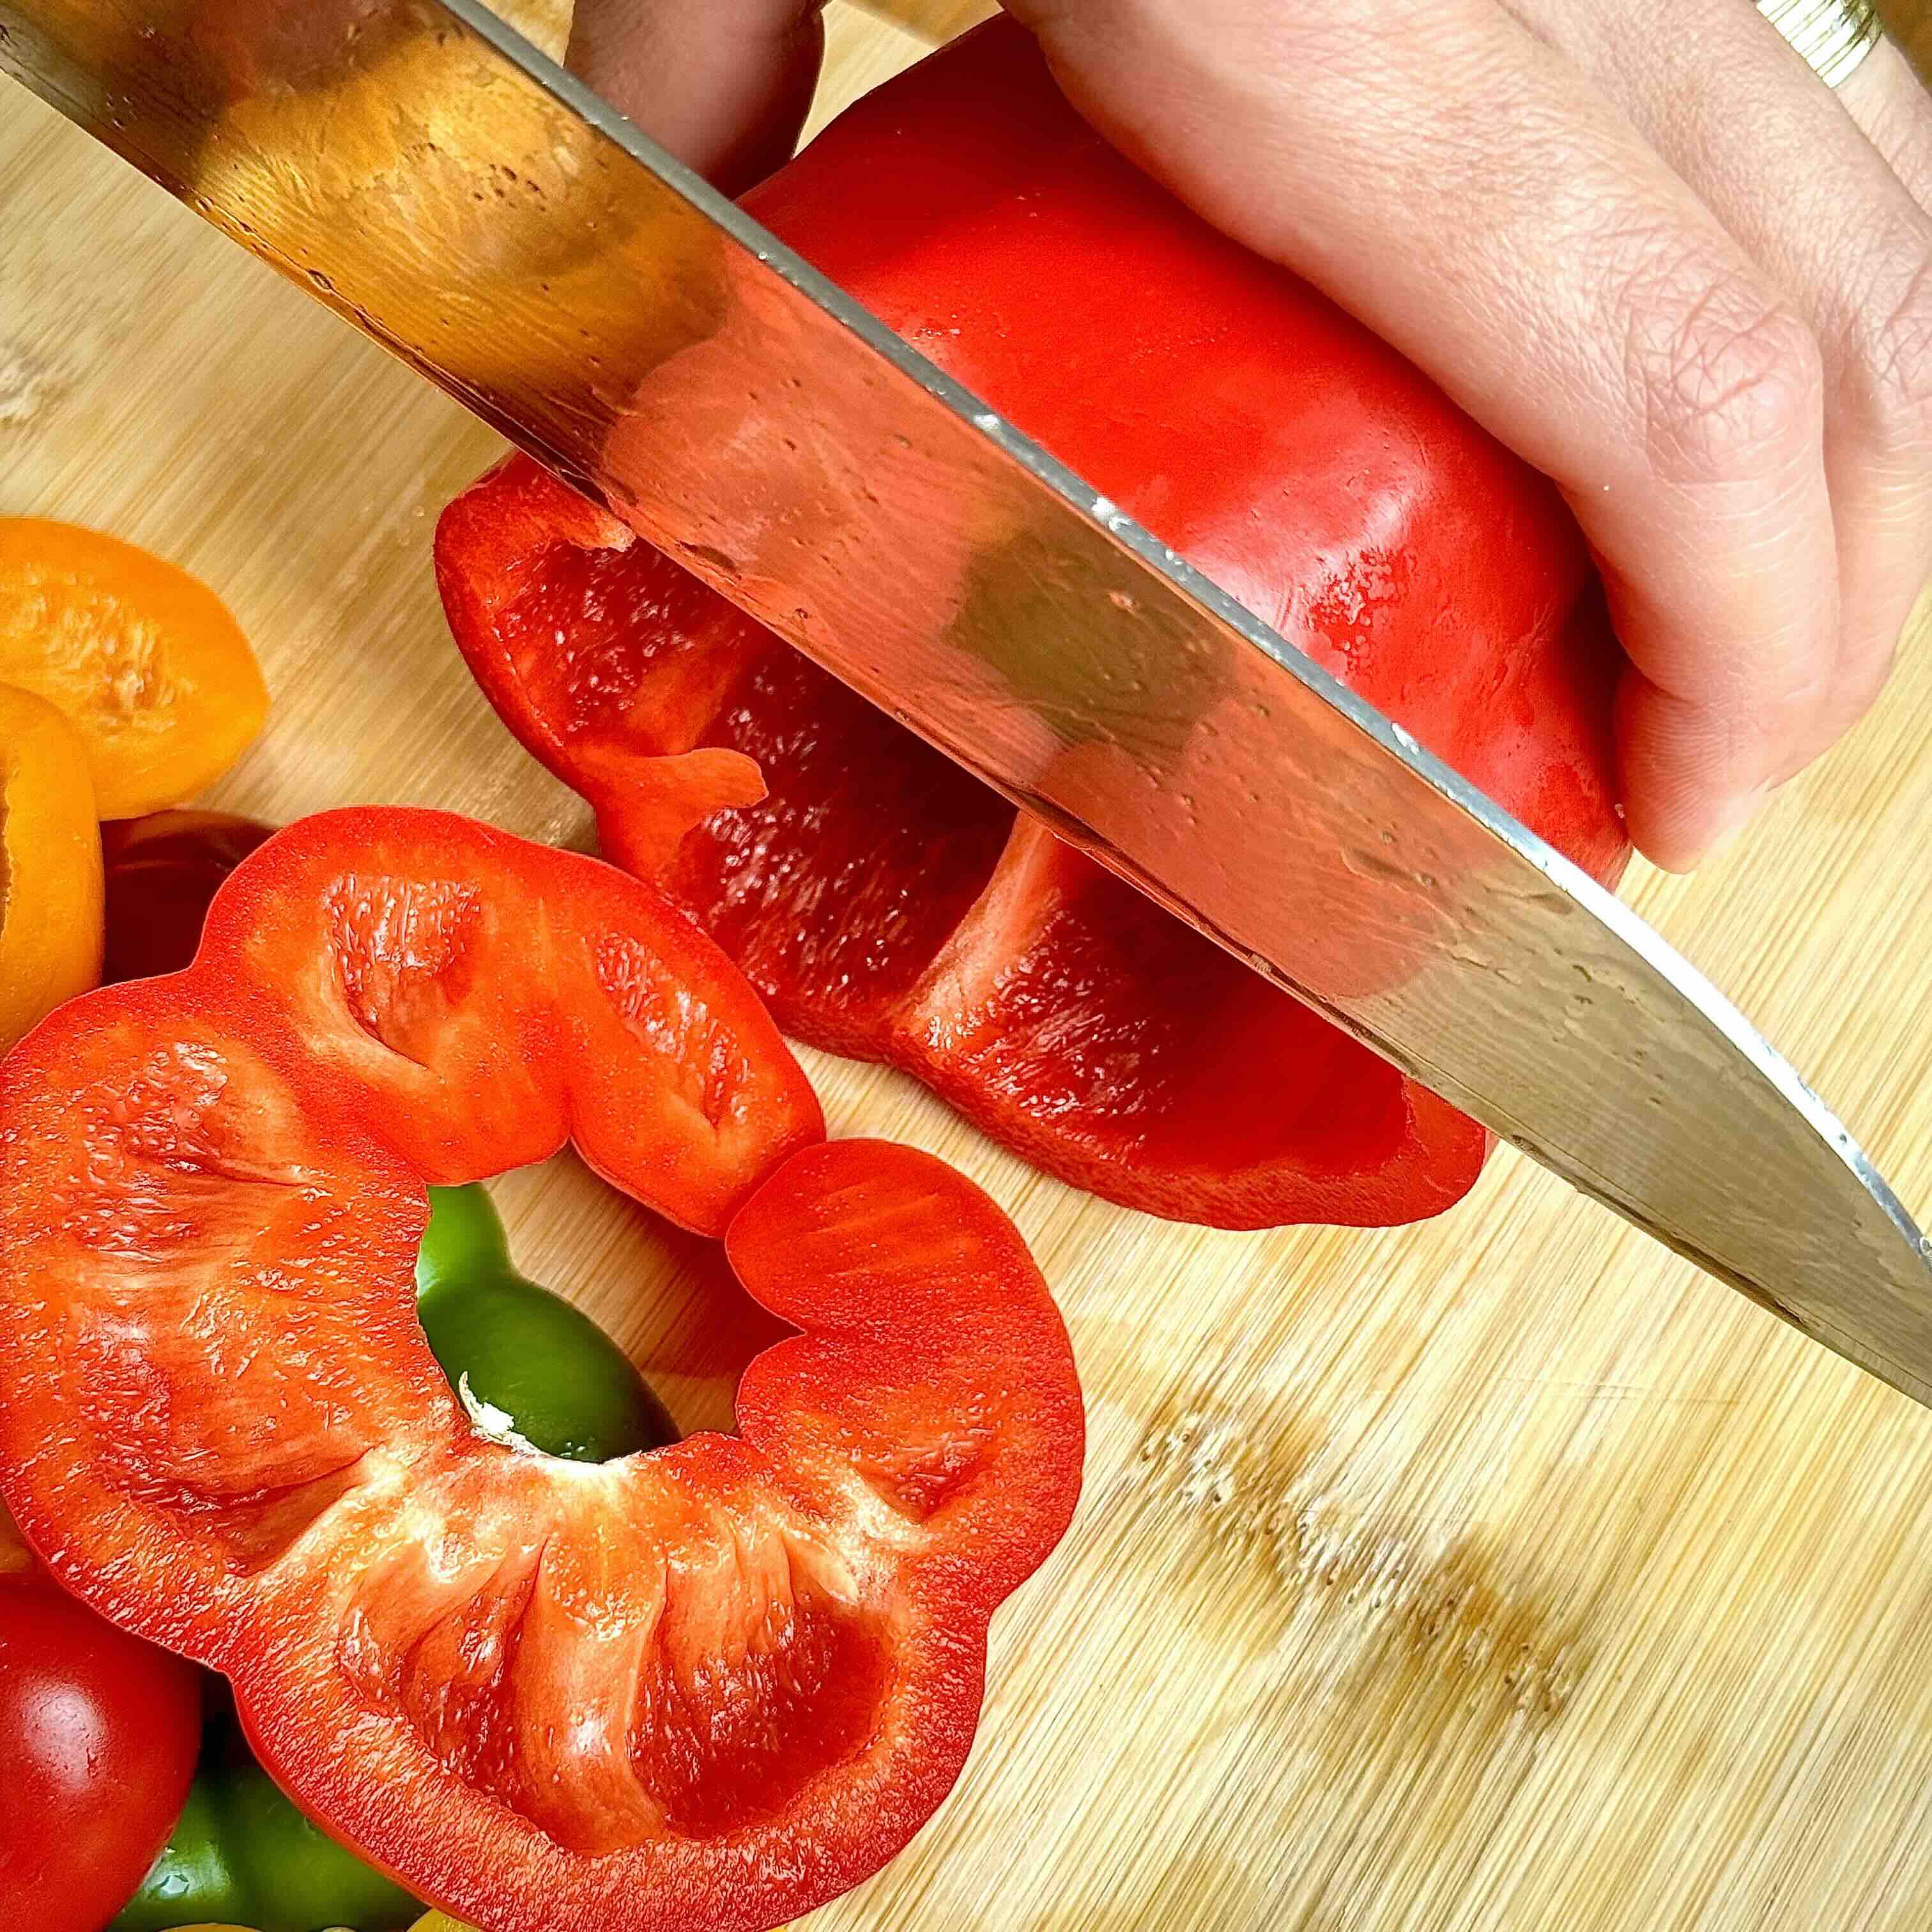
x,y
98,1733
887,905
161,872
711,1685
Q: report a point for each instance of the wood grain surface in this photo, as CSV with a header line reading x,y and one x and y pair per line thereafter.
x,y
1497,1573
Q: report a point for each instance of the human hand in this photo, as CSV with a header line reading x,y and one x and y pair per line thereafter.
x,y
1640,242
725,85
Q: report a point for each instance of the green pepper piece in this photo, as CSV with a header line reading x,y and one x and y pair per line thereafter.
x,y
297,1878
532,1370
241,1854
464,1240
193,1881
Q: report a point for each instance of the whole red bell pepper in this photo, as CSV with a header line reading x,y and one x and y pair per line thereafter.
x,y
887,905
98,1734
161,872
707,1686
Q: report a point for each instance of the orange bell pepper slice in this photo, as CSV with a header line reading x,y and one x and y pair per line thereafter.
x,y
51,896
146,659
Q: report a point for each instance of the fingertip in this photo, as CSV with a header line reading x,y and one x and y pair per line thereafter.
x,y
1691,778
726,87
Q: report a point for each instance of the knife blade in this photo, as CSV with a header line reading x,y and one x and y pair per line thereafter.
x,y
420,168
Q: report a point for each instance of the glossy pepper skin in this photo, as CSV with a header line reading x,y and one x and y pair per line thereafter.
x,y
98,1733
241,1854
885,904
51,916
162,871
709,1686
530,1367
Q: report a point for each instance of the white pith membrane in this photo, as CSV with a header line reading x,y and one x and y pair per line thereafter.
x,y
494,1424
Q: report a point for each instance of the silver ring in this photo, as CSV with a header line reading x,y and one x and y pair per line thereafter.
x,y
1834,36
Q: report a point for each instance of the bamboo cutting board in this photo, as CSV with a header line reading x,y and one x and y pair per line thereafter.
x,y
1498,1572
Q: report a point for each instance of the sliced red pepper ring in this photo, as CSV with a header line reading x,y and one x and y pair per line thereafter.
x,y
888,906
708,1686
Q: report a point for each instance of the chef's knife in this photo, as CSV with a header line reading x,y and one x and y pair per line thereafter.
x,y
433,178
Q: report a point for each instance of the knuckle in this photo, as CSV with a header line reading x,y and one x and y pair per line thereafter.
x,y
1895,358
1730,378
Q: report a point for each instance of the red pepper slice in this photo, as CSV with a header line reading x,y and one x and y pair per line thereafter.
x,y
885,904
708,1686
